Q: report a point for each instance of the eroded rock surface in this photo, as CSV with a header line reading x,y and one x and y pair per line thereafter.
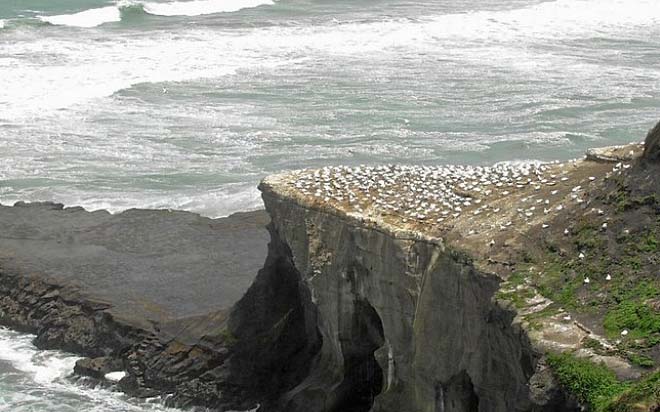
x,y
398,288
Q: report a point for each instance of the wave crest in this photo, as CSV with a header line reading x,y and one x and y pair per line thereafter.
x,y
201,7
124,9
87,18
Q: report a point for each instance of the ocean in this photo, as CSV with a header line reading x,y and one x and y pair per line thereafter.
x,y
188,104
33,380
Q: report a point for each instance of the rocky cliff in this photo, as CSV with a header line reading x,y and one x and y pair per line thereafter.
x,y
399,321
367,306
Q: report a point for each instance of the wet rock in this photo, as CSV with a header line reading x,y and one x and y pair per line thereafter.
x,y
97,368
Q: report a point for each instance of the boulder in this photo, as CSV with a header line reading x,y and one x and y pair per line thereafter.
x,y
97,368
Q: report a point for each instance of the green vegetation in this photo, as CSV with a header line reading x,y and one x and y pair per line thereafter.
x,y
623,200
587,238
626,254
227,337
630,309
641,360
614,243
648,243
641,396
598,387
593,384
509,290
639,319
592,344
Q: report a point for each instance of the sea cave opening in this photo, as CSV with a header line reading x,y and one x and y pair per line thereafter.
x,y
363,376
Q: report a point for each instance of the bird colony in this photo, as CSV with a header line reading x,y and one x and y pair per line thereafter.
x,y
437,194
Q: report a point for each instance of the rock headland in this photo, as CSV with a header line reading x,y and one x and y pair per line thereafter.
x,y
513,287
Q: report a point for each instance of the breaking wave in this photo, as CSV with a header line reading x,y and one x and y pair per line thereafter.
x,y
87,18
112,14
495,38
201,7
38,380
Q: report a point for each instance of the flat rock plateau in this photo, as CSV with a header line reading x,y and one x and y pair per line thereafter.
x,y
118,287
513,287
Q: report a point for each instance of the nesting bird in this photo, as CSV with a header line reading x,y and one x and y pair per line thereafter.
x,y
438,195
423,193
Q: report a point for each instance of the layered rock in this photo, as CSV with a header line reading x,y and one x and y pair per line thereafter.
x,y
144,293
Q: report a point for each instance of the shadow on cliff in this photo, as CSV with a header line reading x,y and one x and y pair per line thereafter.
x,y
275,326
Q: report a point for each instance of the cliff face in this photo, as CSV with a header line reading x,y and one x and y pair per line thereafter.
x,y
385,320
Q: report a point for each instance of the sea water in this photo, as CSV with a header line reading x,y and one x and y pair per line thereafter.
x,y
188,104
33,380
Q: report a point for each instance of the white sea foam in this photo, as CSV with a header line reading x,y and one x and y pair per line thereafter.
x,y
87,18
201,7
98,16
99,68
43,384
560,19
213,203
2,24
519,64
44,366
89,69
115,376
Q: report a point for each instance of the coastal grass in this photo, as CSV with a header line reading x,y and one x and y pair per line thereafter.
x,y
515,291
593,384
596,386
643,395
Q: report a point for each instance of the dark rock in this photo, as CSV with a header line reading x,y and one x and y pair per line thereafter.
x,y
328,324
547,394
97,368
652,144
145,292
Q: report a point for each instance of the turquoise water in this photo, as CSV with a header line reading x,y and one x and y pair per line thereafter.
x,y
188,104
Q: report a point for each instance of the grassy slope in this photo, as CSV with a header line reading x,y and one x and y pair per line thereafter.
x,y
626,249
